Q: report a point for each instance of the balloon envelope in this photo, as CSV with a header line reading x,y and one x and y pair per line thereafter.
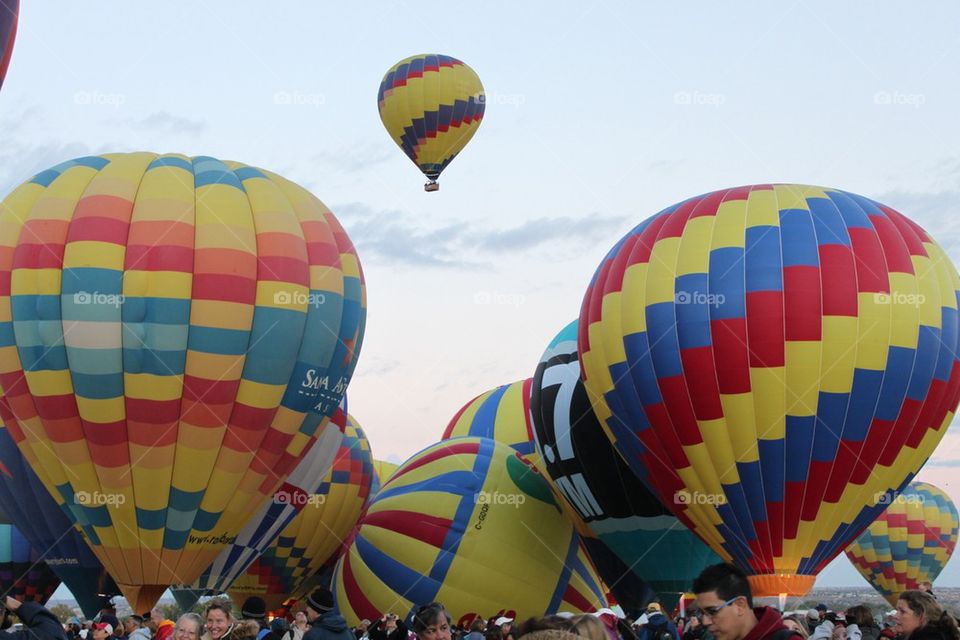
x,y
382,470
467,523
315,537
9,17
35,513
431,105
176,330
772,361
23,573
909,543
618,512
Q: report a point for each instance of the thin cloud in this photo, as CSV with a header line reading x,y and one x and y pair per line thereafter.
x,y
165,122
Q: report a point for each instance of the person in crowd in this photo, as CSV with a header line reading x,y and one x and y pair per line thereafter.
x,y
920,617
300,627
188,627
432,622
860,624
658,626
388,627
325,622
254,608
813,620
361,631
725,605
927,587
798,623
505,626
218,621
547,623
160,628
102,630
278,629
476,630
609,619
134,630
38,622
589,627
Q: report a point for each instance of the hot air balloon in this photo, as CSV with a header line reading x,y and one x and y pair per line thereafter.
x,y
291,498
465,522
37,517
9,17
176,330
431,105
382,470
503,414
314,538
909,543
774,362
23,573
620,514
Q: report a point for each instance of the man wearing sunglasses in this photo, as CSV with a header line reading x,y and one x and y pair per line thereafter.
x,y
725,607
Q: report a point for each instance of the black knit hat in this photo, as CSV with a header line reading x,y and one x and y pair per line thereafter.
x,y
321,600
253,608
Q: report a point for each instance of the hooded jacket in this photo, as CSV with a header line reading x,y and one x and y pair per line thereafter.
x,y
329,626
770,626
39,624
139,633
657,623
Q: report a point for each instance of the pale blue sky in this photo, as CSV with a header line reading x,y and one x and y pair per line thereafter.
x,y
599,114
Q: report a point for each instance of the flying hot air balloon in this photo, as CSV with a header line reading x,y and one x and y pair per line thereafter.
x,y
9,17
622,518
502,414
909,543
315,537
774,362
431,105
36,515
176,331
466,523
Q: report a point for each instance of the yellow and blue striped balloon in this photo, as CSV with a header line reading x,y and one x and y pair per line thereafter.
x,y
173,332
431,105
909,543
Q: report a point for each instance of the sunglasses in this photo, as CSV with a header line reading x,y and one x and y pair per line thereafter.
x,y
711,612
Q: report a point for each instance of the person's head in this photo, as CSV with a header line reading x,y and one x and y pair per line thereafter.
x,y
798,624
279,625
477,625
917,609
654,607
188,627
589,627
546,623
925,586
390,621
149,622
249,628
364,625
318,603
859,615
253,608
300,619
694,623
157,616
218,620
821,611
839,632
102,630
432,622
725,602
504,623
132,623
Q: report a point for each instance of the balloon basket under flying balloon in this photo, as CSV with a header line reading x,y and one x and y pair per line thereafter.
x,y
778,585
433,185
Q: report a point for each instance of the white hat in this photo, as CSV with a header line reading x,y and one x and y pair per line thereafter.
x,y
502,620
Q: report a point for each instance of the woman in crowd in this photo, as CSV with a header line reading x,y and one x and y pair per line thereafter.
x,y
797,623
218,620
920,617
860,624
188,627
432,622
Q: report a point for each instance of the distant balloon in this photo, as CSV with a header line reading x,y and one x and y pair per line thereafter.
x,y
467,523
176,330
774,362
382,470
23,573
35,513
617,510
314,538
291,498
431,105
502,414
9,17
909,543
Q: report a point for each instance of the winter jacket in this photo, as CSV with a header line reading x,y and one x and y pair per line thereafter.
x,y
164,630
932,632
39,624
329,626
770,626
866,632
824,631
139,633
657,625
375,632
